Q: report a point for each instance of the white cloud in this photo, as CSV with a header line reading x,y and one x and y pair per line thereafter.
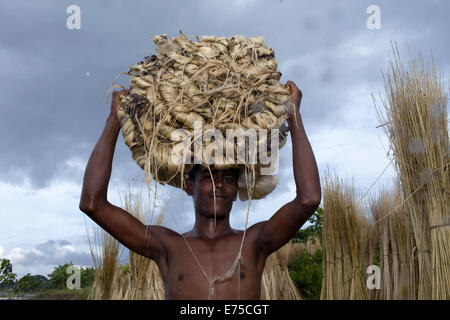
x,y
37,215
44,257
244,3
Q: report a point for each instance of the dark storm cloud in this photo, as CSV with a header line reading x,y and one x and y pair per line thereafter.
x,y
52,252
52,111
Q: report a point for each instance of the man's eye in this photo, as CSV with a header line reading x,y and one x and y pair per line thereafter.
x,y
229,179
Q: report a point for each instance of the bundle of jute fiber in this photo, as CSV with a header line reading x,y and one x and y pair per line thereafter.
x,y
189,103
344,239
417,126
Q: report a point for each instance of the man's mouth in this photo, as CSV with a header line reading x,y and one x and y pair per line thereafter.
x,y
219,196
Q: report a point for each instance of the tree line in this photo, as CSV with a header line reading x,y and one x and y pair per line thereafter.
x,y
37,283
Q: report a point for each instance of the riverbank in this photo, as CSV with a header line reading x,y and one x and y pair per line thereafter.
x,y
11,296
51,294
63,294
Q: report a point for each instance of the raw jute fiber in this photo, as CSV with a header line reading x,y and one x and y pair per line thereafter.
x,y
220,83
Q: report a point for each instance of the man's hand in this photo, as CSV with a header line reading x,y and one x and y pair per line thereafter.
x,y
115,103
293,103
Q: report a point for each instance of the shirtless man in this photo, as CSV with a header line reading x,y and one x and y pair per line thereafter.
x,y
194,265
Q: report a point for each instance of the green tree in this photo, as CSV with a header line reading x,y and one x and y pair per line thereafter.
x,y
29,283
306,269
59,276
7,277
125,269
306,272
87,277
314,230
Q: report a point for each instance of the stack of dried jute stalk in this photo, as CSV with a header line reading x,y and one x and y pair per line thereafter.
x,y
416,122
344,236
141,280
392,235
276,284
190,89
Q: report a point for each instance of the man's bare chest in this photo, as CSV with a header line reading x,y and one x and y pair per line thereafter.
x,y
212,269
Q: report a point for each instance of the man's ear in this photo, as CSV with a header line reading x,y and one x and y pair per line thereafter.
x,y
189,186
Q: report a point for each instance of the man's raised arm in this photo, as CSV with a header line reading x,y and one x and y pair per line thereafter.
x,y
283,225
127,229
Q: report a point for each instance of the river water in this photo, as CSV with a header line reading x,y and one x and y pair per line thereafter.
x,y
25,297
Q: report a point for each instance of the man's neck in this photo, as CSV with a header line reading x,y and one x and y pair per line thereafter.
x,y
206,228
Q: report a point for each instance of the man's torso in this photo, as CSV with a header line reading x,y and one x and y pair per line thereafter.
x,y
190,262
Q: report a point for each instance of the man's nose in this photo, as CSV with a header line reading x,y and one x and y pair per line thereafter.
x,y
218,180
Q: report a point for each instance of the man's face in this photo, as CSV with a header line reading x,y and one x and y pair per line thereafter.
x,y
202,191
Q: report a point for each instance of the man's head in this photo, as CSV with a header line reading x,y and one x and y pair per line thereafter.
x,y
199,185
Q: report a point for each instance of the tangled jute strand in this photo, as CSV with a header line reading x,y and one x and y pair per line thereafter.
x,y
218,82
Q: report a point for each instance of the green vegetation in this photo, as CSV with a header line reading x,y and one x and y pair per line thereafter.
x,y
59,276
313,231
29,283
52,288
125,269
64,294
306,272
306,269
7,277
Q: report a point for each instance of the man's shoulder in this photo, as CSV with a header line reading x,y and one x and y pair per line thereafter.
x,y
162,232
253,231
257,226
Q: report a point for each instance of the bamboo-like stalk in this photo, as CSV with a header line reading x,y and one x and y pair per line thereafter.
x,y
276,284
417,127
372,247
143,282
395,259
344,241
401,230
106,261
380,207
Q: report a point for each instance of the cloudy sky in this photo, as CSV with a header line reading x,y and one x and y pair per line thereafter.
x,y
54,79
